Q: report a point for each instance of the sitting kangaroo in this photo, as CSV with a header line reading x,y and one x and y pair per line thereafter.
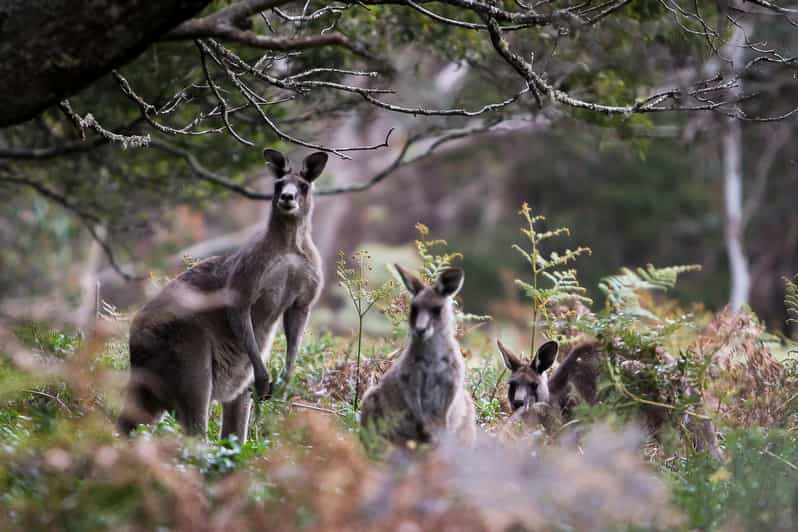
x,y
576,380
529,384
423,394
183,356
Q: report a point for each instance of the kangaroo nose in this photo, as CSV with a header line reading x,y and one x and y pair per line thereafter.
x,y
517,404
419,331
286,196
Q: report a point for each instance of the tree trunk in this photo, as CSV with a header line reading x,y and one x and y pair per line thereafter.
x,y
86,313
52,49
732,148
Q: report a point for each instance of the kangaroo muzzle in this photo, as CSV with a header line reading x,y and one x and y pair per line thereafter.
x,y
422,326
288,198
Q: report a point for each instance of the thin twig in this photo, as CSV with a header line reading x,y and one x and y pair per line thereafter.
x,y
52,397
308,407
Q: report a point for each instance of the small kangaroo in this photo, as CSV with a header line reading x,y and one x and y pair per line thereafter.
x,y
182,357
529,384
423,394
576,380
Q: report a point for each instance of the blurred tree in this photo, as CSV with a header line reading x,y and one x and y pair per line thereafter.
x,y
212,91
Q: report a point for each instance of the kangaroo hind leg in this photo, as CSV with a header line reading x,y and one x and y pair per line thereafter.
x,y
193,399
235,416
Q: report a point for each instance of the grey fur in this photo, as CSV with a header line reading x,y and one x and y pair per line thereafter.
x,y
423,396
206,334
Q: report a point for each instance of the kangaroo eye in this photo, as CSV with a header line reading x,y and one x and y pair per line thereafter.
x,y
436,311
304,187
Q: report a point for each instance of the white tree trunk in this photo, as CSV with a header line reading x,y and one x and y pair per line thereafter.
x,y
732,148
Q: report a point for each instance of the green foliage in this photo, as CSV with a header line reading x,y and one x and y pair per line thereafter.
x,y
563,286
47,340
639,377
485,383
622,291
222,457
754,489
313,353
434,255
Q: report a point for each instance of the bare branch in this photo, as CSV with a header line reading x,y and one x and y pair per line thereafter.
x,y
319,13
251,96
773,7
203,173
458,23
148,111
229,24
51,152
89,122
67,148
235,14
400,161
607,11
264,42
222,101
439,140
441,112
650,104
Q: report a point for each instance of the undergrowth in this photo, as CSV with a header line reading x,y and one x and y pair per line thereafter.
x,y
308,466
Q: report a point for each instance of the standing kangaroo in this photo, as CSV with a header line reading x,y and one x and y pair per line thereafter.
x,y
423,394
182,356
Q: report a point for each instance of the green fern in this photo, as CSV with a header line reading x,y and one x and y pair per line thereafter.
x,y
623,290
562,284
433,263
791,299
435,258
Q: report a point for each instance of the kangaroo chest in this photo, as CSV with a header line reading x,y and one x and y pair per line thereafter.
x,y
291,279
431,384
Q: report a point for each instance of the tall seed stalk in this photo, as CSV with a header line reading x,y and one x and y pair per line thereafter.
x,y
563,285
353,276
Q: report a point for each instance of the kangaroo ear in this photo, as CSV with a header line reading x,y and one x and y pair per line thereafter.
x,y
413,284
449,282
276,162
510,360
313,165
545,357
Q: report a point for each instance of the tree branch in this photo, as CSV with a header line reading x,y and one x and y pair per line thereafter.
x,y
203,173
51,152
264,42
251,96
439,140
89,122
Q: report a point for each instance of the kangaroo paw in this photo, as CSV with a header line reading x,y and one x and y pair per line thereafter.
x,y
263,388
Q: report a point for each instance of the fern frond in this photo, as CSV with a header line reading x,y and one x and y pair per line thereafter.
x,y
791,299
561,285
622,290
433,263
